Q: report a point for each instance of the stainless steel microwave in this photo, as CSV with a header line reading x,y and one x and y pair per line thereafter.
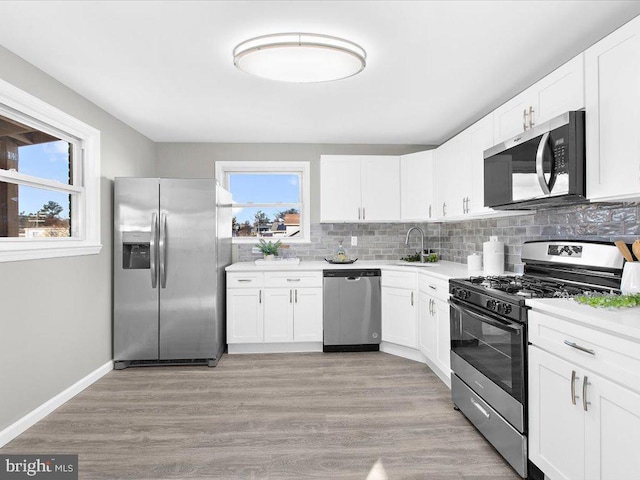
x,y
542,166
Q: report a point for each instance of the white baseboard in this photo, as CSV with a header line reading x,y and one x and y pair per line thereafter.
x,y
31,418
401,351
285,347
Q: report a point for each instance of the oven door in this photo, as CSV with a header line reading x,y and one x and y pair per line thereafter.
x,y
493,345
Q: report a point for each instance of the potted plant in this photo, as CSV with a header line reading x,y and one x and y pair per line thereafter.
x,y
270,250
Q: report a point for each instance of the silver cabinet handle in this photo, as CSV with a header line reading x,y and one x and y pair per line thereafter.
x,y
480,408
429,211
163,250
290,296
432,307
364,216
244,280
464,205
411,298
524,119
573,386
296,295
579,347
152,250
293,279
444,206
585,382
540,167
432,287
259,296
531,122
358,213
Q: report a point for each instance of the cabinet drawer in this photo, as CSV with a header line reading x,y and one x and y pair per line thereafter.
x,y
245,280
613,357
392,278
293,279
433,286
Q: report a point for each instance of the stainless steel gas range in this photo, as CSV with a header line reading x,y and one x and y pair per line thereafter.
x,y
488,318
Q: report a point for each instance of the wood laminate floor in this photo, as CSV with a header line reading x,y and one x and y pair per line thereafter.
x,y
277,416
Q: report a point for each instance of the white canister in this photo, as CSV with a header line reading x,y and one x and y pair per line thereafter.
x,y
493,253
630,278
474,264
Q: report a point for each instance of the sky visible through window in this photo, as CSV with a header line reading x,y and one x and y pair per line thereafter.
x,y
273,188
45,160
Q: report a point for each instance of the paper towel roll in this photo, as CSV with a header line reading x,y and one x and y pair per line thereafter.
x,y
493,252
474,264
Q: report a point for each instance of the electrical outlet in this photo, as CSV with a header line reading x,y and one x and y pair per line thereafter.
x,y
354,241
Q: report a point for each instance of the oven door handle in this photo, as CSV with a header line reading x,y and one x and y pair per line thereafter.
x,y
512,327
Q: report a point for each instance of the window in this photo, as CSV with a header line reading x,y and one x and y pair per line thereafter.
x,y
49,180
270,199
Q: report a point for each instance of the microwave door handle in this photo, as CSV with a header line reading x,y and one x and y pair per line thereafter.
x,y
488,320
539,166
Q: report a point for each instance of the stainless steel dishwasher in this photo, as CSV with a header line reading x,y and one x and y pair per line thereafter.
x,y
352,317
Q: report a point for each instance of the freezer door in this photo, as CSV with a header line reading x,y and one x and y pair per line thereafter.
x,y
135,292
187,269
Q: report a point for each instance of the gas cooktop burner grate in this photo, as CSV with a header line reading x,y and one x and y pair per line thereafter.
x,y
532,287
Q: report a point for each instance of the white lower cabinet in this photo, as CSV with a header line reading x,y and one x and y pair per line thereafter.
x,y
434,338
399,316
584,405
277,314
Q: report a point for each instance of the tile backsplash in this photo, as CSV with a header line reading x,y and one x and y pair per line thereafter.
x,y
456,240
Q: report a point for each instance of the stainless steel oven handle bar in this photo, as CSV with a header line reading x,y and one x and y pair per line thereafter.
x,y
539,166
152,250
488,320
480,408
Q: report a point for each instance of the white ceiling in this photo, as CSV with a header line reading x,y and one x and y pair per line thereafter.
x,y
165,68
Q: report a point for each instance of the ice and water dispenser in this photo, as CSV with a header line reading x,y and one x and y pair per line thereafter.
x,y
136,250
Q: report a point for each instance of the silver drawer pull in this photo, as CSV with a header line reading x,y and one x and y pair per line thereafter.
x,y
479,407
432,287
579,347
585,382
293,279
573,386
244,280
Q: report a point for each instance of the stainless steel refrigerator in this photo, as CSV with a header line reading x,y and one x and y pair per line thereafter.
x,y
172,242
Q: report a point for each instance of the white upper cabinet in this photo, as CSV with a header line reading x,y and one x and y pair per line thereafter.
x,y
480,139
359,188
416,186
560,91
612,89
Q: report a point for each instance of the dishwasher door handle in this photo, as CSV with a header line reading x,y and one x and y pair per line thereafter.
x,y
352,279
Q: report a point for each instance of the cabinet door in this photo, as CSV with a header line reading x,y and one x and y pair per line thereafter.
x,y
399,316
612,87
380,188
509,119
556,425
443,343
480,139
427,326
416,186
244,315
612,430
560,91
307,317
443,179
340,199
278,314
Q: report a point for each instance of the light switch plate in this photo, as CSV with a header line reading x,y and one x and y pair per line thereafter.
x,y
354,241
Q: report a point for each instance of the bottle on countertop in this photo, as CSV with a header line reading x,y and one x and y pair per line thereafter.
x,y
340,255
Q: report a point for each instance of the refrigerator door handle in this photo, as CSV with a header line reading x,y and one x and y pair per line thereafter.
x,y
163,250
152,250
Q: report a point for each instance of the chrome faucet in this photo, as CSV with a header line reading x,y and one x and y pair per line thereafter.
x,y
406,241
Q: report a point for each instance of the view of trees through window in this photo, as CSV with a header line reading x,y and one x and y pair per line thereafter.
x,y
27,211
266,204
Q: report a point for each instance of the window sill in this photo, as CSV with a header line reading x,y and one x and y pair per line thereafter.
x,y
15,253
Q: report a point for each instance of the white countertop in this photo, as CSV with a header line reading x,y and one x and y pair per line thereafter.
x,y
623,322
442,269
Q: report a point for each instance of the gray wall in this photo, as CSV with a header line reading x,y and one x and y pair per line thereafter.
x,y
55,316
197,160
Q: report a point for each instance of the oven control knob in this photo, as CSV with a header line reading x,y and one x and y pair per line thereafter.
x,y
503,308
466,294
491,304
507,309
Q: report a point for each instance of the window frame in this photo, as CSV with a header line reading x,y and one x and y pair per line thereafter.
x,y
224,168
85,190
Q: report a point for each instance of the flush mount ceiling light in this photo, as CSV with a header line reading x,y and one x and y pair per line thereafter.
x,y
299,57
